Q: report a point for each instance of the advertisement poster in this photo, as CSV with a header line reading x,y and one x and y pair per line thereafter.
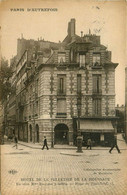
x,y
62,110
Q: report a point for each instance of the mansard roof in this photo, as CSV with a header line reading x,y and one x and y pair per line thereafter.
x,y
46,50
69,39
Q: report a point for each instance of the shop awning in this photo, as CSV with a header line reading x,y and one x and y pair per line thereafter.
x,y
96,126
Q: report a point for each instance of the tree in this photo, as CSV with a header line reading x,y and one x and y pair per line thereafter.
x,y
5,74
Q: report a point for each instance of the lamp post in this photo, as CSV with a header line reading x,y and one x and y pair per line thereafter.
x,y
52,143
79,137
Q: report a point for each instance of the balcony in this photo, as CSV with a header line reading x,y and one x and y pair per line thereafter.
x,y
97,65
36,115
61,93
97,92
61,115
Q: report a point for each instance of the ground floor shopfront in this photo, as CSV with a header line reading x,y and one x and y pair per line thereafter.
x,y
98,139
99,130
64,131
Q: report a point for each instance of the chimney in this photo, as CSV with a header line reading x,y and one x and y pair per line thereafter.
x,y
71,28
81,33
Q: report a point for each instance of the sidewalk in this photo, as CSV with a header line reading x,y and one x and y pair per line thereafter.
x,y
121,143
63,171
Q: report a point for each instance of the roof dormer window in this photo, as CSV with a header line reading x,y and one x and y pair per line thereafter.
x,y
82,59
96,59
61,58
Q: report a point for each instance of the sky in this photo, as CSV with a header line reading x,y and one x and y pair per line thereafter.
x,y
103,18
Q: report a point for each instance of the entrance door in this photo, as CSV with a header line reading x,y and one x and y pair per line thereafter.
x,y
95,137
30,127
61,134
37,133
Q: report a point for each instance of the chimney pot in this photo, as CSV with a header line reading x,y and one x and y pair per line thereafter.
x,y
81,33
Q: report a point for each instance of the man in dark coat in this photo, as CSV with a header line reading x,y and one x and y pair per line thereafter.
x,y
45,143
114,144
16,142
89,143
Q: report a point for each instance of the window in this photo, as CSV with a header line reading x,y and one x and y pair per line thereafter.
x,y
96,59
82,59
61,106
30,110
97,84
61,84
79,83
36,89
20,115
36,108
97,107
31,92
61,57
71,54
23,98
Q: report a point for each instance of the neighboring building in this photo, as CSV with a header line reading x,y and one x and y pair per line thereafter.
x,y
120,113
21,123
126,104
9,124
5,116
52,78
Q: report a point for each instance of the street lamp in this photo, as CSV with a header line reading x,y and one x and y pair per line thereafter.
x,y
79,137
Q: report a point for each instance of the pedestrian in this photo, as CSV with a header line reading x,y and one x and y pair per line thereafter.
x,y
89,143
16,142
114,144
45,143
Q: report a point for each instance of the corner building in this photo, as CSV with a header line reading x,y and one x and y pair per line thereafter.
x,y
58,77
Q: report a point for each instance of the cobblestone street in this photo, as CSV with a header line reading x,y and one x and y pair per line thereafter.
x,y
36,172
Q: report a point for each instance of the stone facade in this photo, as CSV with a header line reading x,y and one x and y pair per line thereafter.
x,y
53,77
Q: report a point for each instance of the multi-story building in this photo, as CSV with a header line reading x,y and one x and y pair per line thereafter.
x,y
120,113
21,123
54,79
9,114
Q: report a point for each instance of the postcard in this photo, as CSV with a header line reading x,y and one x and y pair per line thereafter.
x,y
63,103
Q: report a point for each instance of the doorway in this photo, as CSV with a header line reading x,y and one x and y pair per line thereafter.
x,y
37,134
95,137
30,127
61,134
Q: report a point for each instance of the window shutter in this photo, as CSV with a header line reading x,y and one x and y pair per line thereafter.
x,y
64,84
78,83
100,83
94,83
58,85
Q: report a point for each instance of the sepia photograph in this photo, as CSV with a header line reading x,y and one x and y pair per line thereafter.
x,y
63,97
